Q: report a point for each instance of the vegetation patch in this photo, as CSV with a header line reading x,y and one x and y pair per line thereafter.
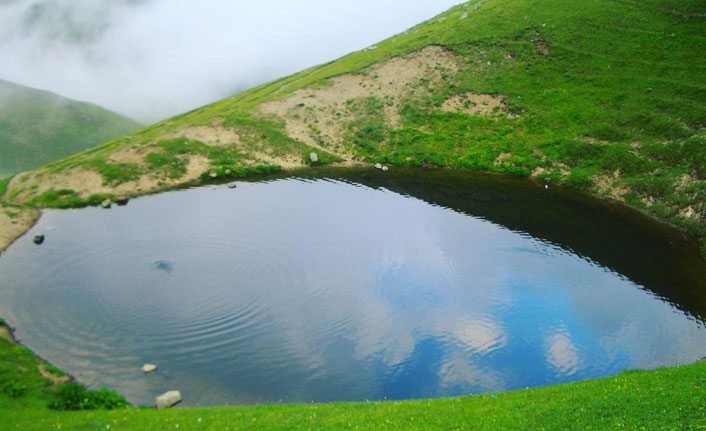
x,y
72,396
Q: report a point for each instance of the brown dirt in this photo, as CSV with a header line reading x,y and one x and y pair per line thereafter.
x,y
209,135
51,376
324,109
473,103
6,334
12,228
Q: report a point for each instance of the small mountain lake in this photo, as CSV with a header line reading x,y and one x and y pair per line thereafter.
x,y
354,285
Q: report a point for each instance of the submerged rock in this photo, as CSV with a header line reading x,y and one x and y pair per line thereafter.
x,y
106,203
122,201
168,399
38,238
231,186
148,368
314,157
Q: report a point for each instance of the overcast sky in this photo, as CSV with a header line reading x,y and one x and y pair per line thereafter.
x,y
150,59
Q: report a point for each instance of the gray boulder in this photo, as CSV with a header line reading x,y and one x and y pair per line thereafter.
x,y
168,399
314,157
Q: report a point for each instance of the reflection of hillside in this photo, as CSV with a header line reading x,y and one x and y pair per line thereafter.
x,y
648,252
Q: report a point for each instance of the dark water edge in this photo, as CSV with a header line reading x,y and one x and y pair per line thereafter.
x,y
650,252
628,246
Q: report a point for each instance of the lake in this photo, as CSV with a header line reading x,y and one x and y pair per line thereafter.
x,y
354,285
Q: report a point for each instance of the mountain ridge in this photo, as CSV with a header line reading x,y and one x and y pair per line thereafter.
x,y
38,127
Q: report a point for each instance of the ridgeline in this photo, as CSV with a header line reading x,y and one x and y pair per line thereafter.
x,y
38,127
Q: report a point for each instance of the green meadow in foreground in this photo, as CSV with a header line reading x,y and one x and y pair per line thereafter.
x,y
663,399
38,127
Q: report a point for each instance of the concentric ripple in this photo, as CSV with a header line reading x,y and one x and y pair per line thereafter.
x,y
296,290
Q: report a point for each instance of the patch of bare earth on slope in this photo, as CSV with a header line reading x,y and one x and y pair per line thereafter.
x,y
319,116
474,103
14,222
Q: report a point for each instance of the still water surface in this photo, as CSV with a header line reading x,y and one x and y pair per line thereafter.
x,y
353,286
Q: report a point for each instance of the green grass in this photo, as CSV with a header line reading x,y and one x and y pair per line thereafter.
x,y
664,399
3,186
39,127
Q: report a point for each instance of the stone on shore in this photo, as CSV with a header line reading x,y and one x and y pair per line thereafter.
x,y
378,166
168,399
314,157
213,175
122,201
106,203
385,168
148,368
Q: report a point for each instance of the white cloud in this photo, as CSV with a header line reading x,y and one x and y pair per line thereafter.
x,y
154,58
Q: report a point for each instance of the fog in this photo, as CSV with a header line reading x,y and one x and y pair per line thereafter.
x,y
149,59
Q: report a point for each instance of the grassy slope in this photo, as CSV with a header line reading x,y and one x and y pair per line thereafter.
x,y
38,127
609,94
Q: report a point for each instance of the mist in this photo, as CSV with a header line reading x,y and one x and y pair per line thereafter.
x,y
150,59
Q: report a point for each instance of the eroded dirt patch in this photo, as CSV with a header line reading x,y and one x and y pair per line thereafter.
x,y
320,116
474,103
14,222
57,380
209,135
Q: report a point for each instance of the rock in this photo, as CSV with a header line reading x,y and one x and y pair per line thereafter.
x,y
106,203
231,186
121,201
148,368
38,238
213,175
378,166
228,172
168,399
385,169
313,157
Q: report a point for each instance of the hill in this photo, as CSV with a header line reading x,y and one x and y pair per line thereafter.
x,y
38,127
606,96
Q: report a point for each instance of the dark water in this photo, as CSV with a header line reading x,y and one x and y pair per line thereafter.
x,y
370,286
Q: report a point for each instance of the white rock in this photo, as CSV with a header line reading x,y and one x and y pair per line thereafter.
x,y
385,168
168,399
148,368
313,157
213,175
378,166
228,172
106,203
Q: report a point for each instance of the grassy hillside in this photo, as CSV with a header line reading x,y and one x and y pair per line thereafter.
x,y
38,127
607,96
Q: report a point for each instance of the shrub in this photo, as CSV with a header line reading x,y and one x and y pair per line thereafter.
x,y
72,396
